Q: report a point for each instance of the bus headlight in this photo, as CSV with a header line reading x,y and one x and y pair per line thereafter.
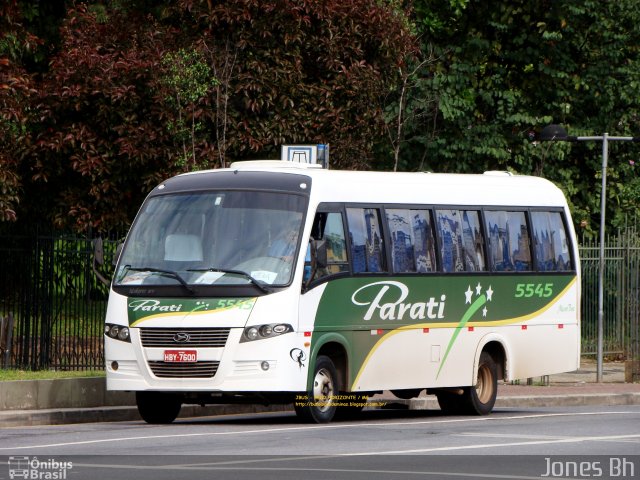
x,y
259,332
117,332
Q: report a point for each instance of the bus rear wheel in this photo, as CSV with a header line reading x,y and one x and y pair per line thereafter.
x,y
478,399
158,407
482,396
319,405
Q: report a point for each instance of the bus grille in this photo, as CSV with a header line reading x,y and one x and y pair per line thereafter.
x,y
184,337
184,370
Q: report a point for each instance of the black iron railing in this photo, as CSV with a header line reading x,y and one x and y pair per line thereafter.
x,y
58,305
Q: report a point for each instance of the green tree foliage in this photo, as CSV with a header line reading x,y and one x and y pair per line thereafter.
x,y
97,144
303,71
506,69
16,45
101,100
187,80
138,91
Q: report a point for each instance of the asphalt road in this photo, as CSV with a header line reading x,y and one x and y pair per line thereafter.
x,y
588,442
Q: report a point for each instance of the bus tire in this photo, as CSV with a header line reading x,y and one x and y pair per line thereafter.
x,y
320,400
158,407
481,397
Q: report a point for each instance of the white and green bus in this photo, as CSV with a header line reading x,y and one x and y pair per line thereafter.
x,y
275,282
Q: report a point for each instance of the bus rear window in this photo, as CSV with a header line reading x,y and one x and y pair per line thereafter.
x,y
550,242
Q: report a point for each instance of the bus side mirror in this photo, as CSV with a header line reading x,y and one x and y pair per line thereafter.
x,y
98,259
319,252
119,248
98,251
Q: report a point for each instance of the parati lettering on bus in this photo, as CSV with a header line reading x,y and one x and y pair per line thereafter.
x,y
396,309
153,306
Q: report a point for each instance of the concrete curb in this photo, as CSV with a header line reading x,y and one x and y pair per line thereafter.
x,y
529,401
65,416
85,392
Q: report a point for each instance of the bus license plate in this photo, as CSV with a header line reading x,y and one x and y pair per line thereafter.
x,y
187,356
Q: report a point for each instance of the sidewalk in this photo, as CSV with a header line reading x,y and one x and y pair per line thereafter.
x,y
568,389
578,388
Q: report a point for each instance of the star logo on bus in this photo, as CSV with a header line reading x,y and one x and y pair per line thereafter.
x,y
468,294
480,302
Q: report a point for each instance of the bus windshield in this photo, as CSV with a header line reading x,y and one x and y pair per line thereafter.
x,y
214,238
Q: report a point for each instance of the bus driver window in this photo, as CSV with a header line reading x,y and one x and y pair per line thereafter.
x,y
329,227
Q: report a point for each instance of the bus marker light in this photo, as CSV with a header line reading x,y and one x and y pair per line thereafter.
x,y
307,334
307,344
471,329
524,327
560,326
425,330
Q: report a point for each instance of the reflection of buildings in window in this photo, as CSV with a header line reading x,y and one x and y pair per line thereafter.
x,y
402,252
500,251
402,245
374,252
452,243
522,255
477,242
545,249
359,257
374,242
562,264
424,246
472,243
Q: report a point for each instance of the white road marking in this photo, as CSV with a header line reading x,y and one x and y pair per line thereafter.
x,y
209,467
493,445
380,424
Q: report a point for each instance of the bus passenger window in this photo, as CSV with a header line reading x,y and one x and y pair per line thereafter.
x,y
412,243
329,227
550,242
509,243
462,247
367,249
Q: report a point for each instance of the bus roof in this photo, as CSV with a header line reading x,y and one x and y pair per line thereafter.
x,y
489,188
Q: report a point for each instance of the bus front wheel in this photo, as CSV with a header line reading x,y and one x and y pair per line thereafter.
x,y
158,407
319,404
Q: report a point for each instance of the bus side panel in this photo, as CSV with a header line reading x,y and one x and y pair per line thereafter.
x,y
414,332
543,350
411,358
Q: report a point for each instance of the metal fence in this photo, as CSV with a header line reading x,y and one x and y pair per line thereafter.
x,y
57,305
621,306
55,302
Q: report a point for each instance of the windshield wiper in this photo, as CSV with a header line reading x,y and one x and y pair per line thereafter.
x,y
169,273
261,285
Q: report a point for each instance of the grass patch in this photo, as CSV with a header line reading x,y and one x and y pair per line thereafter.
x,y
6,375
